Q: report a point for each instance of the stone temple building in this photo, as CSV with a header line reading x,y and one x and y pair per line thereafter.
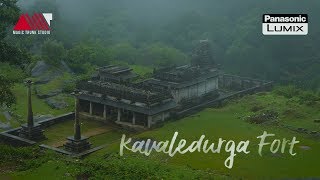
x,y
113,96
186,82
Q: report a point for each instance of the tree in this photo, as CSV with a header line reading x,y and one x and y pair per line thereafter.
x,y
9,14
84,53
8,76
17,58
161,55
125,52
53,52
6,96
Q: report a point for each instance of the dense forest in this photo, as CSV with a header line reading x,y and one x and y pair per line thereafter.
x,y
161,33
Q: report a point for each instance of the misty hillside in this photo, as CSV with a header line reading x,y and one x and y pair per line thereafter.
x,y
142,31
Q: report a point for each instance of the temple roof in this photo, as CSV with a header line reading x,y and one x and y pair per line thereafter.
x,y
121,91
149,110
112,69
182,76
116,73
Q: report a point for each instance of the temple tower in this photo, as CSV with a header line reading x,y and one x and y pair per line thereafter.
x,y
202,55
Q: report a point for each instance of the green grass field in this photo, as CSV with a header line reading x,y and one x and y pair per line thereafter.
x,y
228,122
39,106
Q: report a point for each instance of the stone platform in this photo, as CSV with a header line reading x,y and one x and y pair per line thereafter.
x,y
77,146
74,155
34,133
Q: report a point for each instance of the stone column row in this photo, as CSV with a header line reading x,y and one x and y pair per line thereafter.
x,y
149,120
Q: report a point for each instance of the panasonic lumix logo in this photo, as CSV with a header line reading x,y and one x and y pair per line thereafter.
x,y
285,24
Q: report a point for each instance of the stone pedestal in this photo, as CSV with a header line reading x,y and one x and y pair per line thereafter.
x,y
77,146
34,132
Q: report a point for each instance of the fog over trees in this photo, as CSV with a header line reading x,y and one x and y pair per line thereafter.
x,y
149,32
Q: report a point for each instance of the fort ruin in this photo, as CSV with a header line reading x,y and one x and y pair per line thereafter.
x,y
113,95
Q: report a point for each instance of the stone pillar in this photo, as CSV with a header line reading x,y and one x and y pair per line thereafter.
x,y
30,113
119,115
133,118
105,112
77,143
91,108
77,132
31,130
149,121
162,116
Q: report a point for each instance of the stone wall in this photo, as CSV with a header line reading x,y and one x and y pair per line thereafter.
x,y
158,119
55,120
238,83
239,86
196,90
11,136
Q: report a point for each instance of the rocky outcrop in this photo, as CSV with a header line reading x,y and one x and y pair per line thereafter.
x,y
45,72
56,103
7,115
65,67
48,76
50,81
5,126
39,69
44,95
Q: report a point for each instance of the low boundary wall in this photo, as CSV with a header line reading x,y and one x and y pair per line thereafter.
x,y
11,136
239,86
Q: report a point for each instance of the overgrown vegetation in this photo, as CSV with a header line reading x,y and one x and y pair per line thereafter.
x,y
307,97
12,59
227,122
22,158
31,162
